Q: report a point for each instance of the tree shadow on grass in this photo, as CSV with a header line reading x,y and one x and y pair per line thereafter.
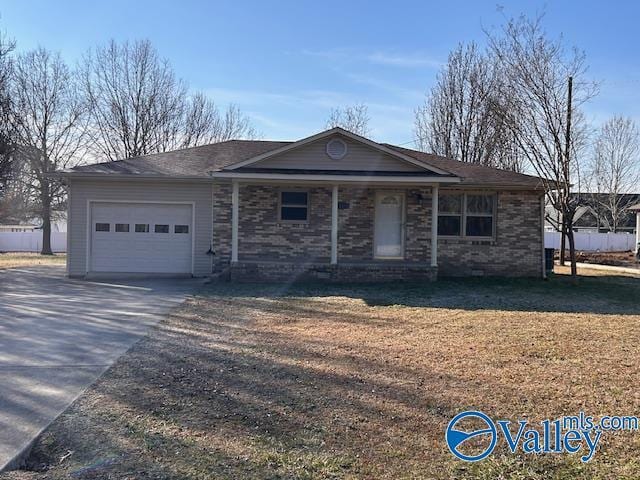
x,y
605,295
225,388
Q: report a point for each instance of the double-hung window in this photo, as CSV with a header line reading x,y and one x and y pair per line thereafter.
x,y
294,206
468,215
450,214
479,215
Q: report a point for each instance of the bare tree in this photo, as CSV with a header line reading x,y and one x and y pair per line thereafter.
x,y
463,117
137,105
546,88
354,118
615,168
133,98
6,142
48,121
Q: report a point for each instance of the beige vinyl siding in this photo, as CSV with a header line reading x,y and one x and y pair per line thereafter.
x,y
83,191
359,157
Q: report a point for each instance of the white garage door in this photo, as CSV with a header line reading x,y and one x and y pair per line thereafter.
x,y
141,238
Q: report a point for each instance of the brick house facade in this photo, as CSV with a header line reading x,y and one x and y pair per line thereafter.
x,y
334,206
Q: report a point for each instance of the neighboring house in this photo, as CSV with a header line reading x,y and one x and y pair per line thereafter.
x,y
593,216
58,221
17,228
332,206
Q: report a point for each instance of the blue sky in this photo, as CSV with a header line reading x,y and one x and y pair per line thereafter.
x,y
287,63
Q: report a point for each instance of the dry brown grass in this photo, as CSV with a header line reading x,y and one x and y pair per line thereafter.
x,y
358,382
19,259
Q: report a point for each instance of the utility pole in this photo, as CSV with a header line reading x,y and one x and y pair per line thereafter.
x,y
569,210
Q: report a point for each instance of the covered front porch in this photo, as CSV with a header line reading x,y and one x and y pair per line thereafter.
x,y
377,230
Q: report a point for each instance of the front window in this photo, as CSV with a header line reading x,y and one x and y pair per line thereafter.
x,y
450,214
466,215
479,219
294,206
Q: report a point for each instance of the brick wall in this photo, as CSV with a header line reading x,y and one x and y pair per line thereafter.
x,y
300,272
516,250
221,226
356,224
261,236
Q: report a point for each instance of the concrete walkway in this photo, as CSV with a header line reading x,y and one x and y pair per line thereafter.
x,y
609,268
57,336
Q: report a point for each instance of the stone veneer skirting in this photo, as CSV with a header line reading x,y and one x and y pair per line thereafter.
x,y
345,272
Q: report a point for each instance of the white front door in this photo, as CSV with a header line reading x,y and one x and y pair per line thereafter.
x,y
389,225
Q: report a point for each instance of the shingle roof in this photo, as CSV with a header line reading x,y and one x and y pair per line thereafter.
x,y
195,161
472,173
199,161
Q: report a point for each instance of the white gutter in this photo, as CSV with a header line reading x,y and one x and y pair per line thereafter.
x,y
130,176
340,178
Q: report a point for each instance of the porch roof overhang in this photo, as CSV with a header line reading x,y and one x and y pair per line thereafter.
x,y
336,176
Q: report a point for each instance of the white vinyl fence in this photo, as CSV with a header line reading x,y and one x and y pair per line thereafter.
x,y
31,241
594,242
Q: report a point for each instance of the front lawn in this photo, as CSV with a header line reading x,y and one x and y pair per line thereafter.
x,y
23,259
317,382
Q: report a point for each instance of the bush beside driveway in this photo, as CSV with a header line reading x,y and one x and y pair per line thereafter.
x,y
307,381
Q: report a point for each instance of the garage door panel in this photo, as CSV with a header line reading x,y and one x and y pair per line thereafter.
x,y
138,252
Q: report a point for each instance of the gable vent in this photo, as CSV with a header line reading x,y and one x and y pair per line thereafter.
x,y
336,149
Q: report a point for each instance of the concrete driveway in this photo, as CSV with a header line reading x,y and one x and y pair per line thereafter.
x,y
57,336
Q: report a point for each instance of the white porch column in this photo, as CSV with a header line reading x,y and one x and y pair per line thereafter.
x,y
637,231
334,225
235,199
434,226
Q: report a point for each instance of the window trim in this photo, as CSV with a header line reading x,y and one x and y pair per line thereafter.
x,y
156,225
135,227
280,205
463,226
128,230
108,224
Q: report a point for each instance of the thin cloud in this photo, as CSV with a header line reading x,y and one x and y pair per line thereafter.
x,y
414,60
383,57
392,88
297,114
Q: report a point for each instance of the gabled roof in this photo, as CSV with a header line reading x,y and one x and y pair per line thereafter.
x,y
198,162
345,133
189,162
474,174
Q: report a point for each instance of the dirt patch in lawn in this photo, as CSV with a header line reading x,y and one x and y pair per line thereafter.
x,y
317,382
15,260
618,259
